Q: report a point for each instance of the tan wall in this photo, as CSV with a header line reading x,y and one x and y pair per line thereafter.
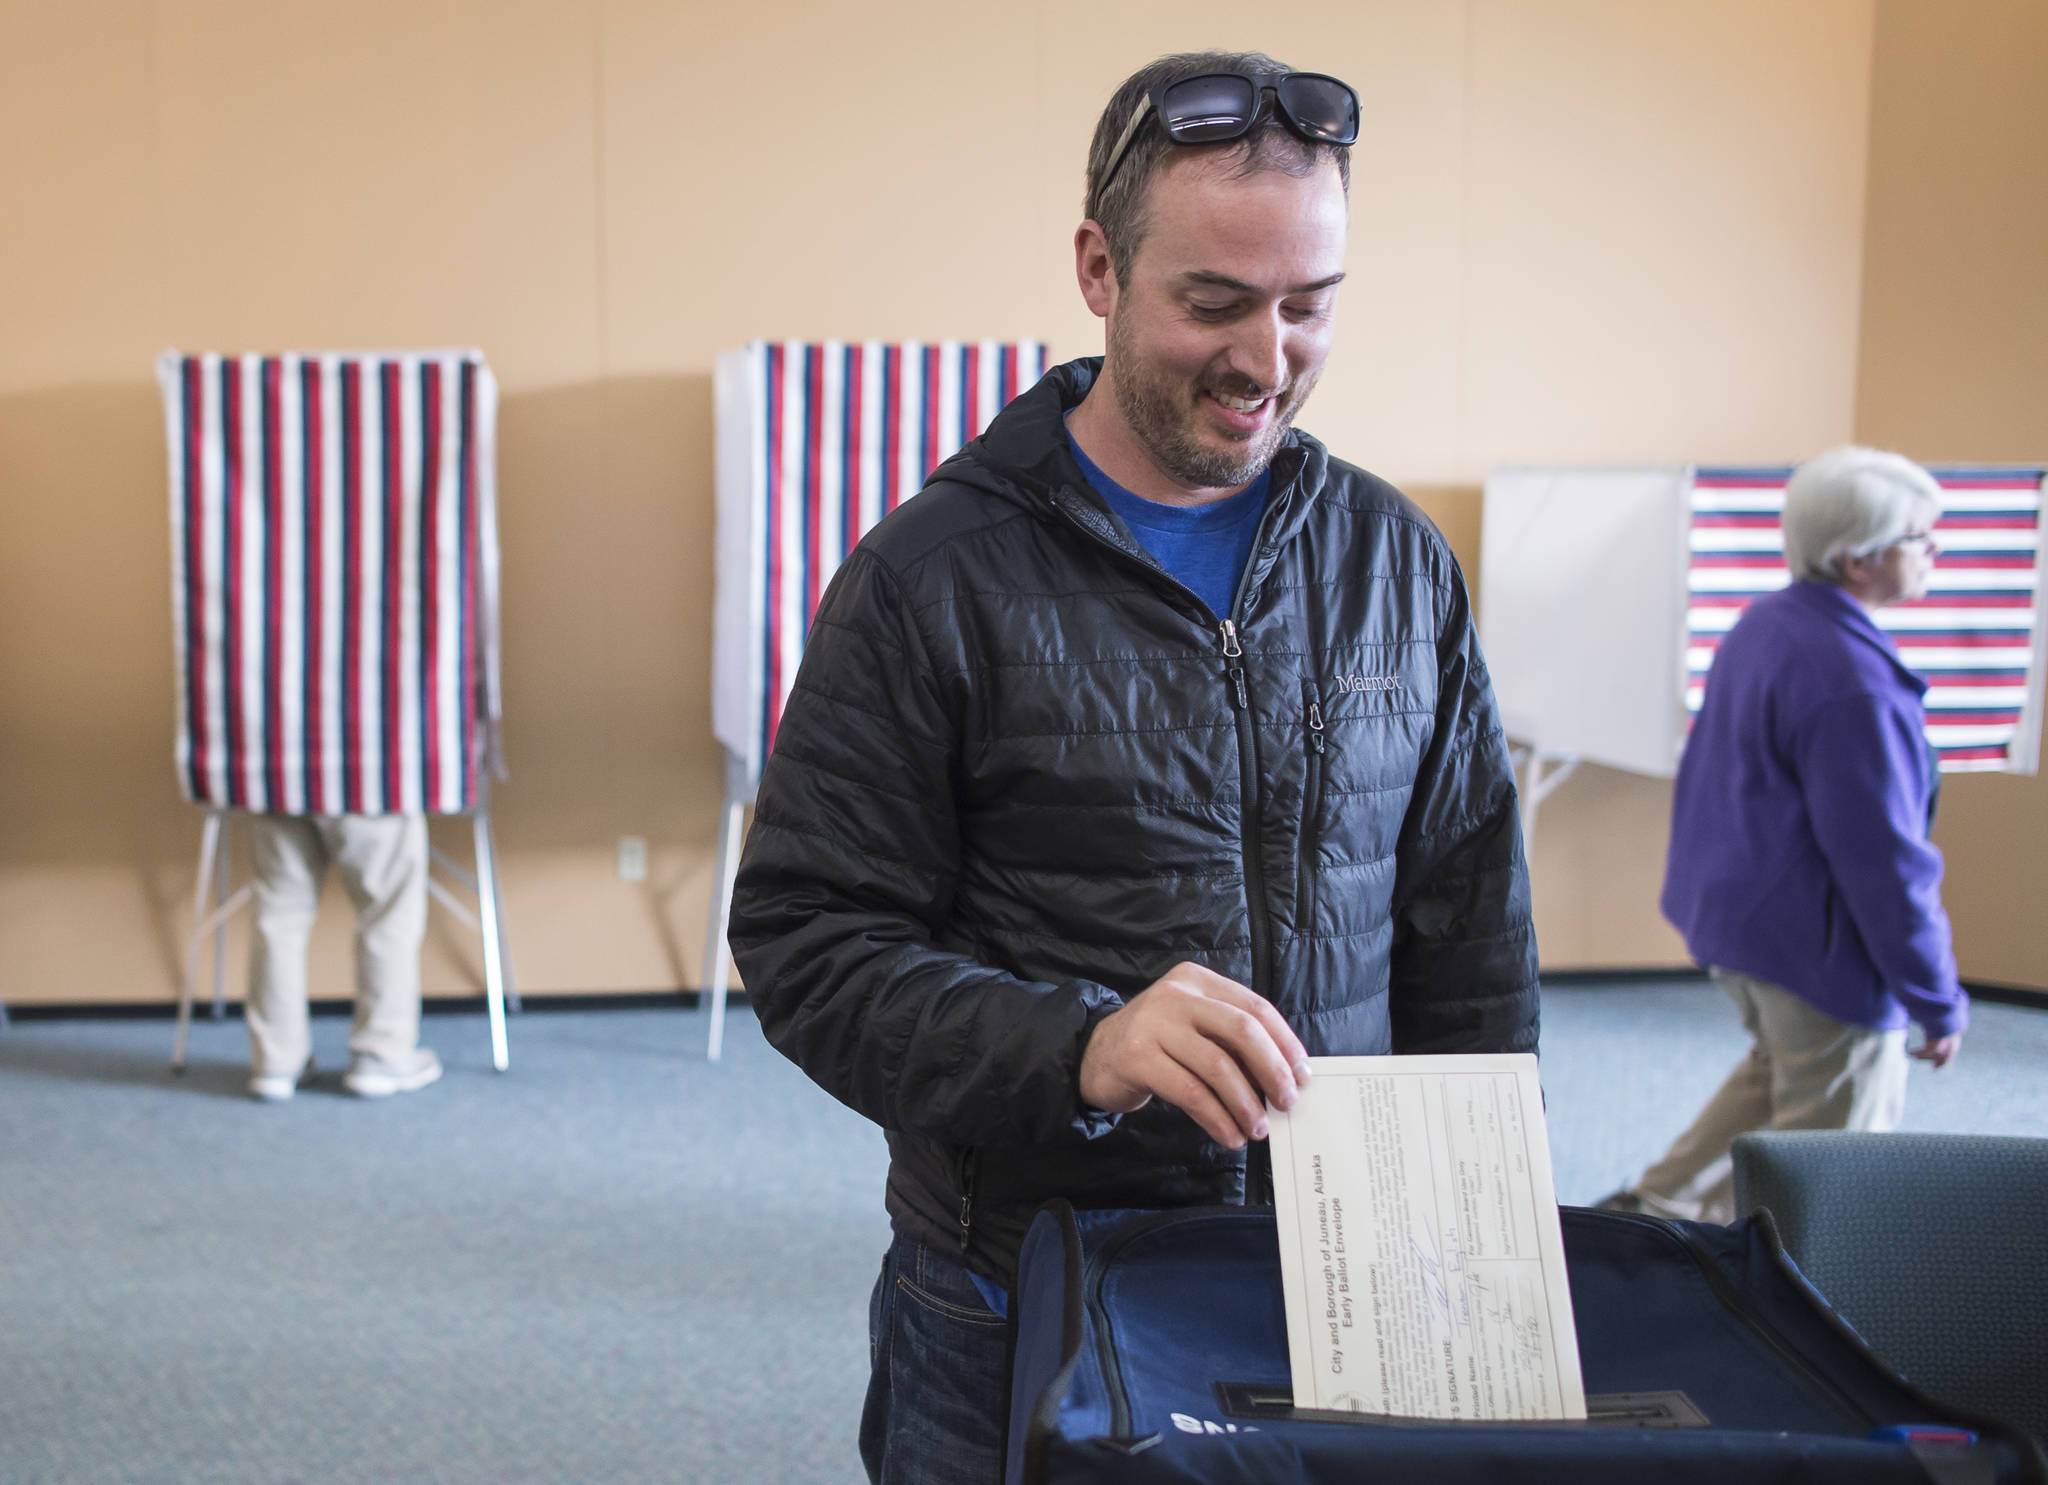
x,y
1955,361
1583,229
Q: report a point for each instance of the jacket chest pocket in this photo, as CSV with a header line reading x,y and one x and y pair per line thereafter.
x,y
1361,748
1308,873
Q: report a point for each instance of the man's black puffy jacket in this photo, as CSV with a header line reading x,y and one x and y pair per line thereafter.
x,y
1024,772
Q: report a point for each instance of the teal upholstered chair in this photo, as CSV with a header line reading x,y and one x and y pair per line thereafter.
x,y
1933,1246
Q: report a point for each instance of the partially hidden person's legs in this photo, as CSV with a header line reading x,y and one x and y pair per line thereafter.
x,y
1695,1179
288,861
383,862
938,1383
1827,1074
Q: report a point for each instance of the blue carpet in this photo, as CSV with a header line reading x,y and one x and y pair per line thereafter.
x,y
1626,1066
614,1263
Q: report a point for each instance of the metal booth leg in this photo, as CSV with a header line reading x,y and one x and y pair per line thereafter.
x,y
724,870
487,921
491,928
505,969
1546,772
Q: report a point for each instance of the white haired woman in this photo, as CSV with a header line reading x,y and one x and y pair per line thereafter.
x,y
1800,870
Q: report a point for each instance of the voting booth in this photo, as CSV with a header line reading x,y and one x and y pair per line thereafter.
x,y
334,580
816,442
1605,593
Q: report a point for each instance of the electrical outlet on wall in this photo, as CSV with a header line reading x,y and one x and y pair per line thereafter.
x,y
632,858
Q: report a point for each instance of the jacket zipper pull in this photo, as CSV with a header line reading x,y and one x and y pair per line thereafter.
x,y
1233,651
967,1172
1315,725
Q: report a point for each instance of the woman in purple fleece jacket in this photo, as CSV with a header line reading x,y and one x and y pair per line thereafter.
x,y
1800,870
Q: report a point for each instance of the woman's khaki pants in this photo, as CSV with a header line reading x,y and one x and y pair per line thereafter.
x,y
383,862
1805,1070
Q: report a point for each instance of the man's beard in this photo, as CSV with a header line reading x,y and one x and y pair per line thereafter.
x,y
1164,422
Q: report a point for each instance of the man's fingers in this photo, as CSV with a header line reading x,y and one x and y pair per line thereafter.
x,y
1203,1043
1226,1079
1278,1035
1187,1091
1285,1043
1243,1034
1291,1050
1230,992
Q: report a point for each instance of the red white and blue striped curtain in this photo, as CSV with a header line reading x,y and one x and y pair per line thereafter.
x,y
817,441
1976,637
334,573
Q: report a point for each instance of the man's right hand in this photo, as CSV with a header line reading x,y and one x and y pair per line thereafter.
x,y
1206,1045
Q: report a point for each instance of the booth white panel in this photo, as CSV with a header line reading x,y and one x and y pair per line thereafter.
x,y
737,621
1582,610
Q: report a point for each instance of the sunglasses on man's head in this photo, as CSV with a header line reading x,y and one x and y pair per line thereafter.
x,y
1211,107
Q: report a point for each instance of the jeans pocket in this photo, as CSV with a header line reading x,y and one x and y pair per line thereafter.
x,y
938,1405
944,1288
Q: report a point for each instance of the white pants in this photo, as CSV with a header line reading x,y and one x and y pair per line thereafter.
x,y
383,861
1805,1070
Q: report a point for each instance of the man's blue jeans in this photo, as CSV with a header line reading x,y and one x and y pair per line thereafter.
x,y
939,1371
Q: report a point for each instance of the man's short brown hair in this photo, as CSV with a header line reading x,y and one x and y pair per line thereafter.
x,y
1269,145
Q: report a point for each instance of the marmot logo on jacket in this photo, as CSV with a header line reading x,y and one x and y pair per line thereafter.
x,y
1346,683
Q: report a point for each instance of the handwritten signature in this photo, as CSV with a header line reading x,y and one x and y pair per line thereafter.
x,y
1433,1271
1500,1310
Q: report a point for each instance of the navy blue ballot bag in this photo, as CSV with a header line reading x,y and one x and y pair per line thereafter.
x,y
1152,1346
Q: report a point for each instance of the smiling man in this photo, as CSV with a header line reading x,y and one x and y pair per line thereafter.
x,y
1145,754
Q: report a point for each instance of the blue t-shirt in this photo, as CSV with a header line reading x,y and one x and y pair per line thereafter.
x,y
1204,546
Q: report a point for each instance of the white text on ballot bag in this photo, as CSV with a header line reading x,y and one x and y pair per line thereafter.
x,y
1419,1242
